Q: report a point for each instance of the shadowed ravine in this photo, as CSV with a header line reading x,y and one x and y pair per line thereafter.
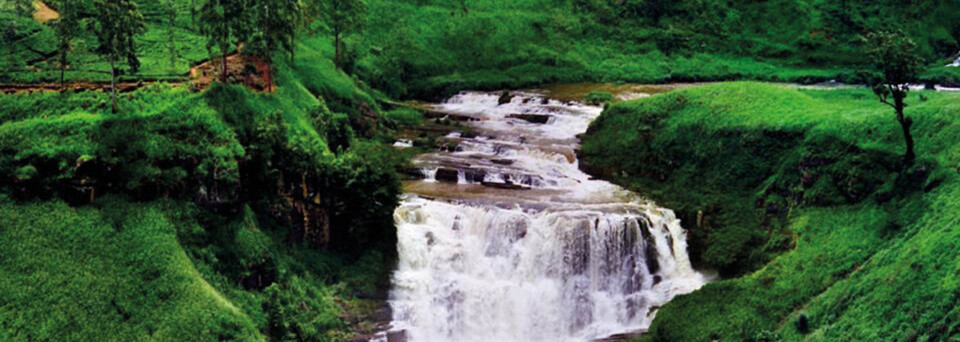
x,y
507,240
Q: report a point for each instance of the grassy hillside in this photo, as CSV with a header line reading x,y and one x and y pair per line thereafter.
x,y
226,214
29,52
429,48
422,48
859,247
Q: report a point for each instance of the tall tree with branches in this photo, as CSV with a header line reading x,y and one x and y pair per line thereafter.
x,y
118,22
895,61
170,14
276,25
225,23
343,17
66,28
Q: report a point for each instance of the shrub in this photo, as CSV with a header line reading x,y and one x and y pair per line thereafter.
x,y
597,98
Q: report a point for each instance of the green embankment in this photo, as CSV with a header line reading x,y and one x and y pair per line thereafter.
x,y
429,48
220,215
859,247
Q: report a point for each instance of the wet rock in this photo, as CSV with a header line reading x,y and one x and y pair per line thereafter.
x,y
475,176
397,336
447,175
650,257
622,337
502,161
505,98
412,173
531,118
435,115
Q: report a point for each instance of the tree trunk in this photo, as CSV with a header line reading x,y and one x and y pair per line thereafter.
x,y
336,42
113,87
905,124
911,156
223,66
269,78
63,67
293,50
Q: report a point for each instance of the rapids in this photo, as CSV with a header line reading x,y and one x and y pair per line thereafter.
x,y
505,239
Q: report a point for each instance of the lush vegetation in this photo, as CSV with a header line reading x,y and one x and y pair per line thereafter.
x,y
196,210
216,215
807,194
426,48
224,214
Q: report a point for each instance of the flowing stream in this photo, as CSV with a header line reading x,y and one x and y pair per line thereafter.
x,y
505,239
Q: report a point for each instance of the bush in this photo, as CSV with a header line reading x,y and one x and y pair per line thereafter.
x,y
597,98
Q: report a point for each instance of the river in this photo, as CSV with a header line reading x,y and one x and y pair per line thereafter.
x,y
505,239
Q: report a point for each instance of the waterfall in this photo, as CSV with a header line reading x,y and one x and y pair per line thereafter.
x,y
522,245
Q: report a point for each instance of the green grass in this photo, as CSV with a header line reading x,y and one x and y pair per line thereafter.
x,y
429,48
25,59
807,209
197,230
116,273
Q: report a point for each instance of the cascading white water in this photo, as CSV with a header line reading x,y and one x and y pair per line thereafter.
x,y
523,246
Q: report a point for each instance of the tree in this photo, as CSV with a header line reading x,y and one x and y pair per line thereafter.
x,y
276,25
118,22
343,17
24,8
224,22
66,28
170,13
896,63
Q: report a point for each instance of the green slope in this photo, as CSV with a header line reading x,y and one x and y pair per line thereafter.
x,y
114,273
195,215
810,181
425,48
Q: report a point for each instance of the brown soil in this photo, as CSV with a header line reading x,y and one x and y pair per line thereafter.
x,y
250,71
577,91
43,13
71,86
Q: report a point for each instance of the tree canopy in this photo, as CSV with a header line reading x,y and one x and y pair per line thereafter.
x,y
118,22
343,17
896,64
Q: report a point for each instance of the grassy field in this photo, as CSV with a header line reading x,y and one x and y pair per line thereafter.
x,y
803,194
